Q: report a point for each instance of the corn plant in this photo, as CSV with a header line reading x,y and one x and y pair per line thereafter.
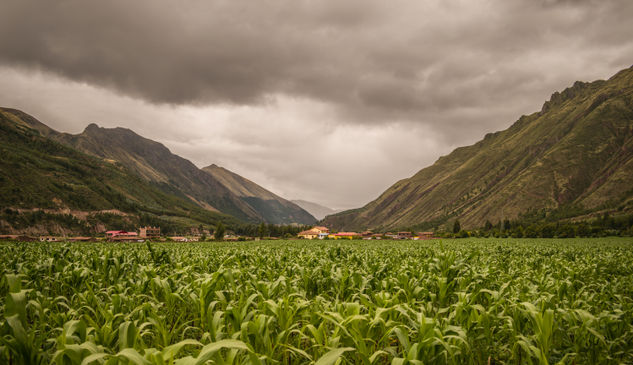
x,y
475,301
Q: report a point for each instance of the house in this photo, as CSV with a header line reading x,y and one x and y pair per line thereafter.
x,y
79,239
49,239
367,235
179,239
404,235
346,235
425,235
149,232
391,235
322,229
309,234
111,234
319,232
122,236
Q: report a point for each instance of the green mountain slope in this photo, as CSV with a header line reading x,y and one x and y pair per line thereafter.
x,y
273,208
42,177
155,163
576,154
212,190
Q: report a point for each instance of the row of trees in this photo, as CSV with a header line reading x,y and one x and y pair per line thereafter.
x,y
605,225
258,230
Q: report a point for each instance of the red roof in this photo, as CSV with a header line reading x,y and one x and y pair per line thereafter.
x,y
347,234
121,233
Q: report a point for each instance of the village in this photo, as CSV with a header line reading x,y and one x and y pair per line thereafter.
x,y
195,235
320,232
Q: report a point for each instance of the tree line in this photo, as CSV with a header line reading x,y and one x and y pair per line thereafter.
x,y
605,225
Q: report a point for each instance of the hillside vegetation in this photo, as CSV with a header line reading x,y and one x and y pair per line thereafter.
x,y
273,208
572,158
46,186
174,175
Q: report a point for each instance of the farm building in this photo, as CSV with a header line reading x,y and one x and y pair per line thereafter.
x,y
149,232
122,236
315,232
345,235
310,234
425,235
79,239
50,239
179,239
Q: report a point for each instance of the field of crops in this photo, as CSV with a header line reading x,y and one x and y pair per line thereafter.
x,y
299,302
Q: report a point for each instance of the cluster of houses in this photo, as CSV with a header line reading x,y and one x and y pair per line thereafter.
x,y
321,233
153,233
27,238
144,233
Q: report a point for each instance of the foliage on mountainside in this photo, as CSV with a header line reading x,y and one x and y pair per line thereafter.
x,y
273,208
211,188
38,173
575,154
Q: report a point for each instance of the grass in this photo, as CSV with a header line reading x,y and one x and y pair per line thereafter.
x,y
469,301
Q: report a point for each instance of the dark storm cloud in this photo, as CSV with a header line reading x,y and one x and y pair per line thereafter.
x,y
373,60
374,90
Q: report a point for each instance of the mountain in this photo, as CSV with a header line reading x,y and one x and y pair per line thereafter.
x,y
272,208
46,186
317,210
573,157
173,174
155,163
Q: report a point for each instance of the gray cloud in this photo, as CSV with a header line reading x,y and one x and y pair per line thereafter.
x,y
449,70
374,60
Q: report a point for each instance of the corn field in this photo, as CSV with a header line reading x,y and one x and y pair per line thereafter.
x,y
304,302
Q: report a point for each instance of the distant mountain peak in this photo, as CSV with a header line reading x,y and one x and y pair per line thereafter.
x,y
92,127
317,210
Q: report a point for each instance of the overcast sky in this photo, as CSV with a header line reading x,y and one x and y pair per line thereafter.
x,y
327,101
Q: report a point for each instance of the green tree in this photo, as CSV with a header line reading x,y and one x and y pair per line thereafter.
x,y
219,232
262,230
456,226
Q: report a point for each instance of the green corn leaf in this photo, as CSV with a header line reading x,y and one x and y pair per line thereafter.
x,y
132,356
331,356
99,357
208,351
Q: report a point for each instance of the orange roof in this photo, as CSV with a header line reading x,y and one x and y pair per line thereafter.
x,y
308,232
321,228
